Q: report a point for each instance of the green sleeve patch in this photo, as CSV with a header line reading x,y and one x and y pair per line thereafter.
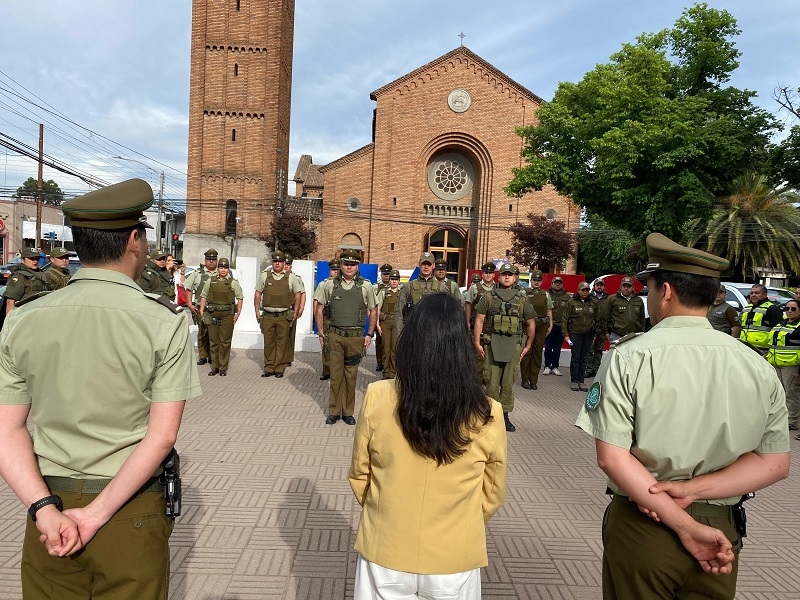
x,y
593,396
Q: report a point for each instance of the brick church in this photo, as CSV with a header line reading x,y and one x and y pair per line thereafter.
x,y
443,147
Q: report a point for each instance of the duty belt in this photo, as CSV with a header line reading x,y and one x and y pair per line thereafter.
x,y
280,313
215,307
387,316
541,319
92,486
348,331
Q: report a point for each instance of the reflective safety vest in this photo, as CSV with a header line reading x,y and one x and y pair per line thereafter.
x,y
780,354
753,332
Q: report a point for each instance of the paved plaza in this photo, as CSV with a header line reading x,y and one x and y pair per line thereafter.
x,y
268,512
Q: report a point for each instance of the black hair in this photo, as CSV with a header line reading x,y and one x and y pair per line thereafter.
x,y
693,291
102,246
441,401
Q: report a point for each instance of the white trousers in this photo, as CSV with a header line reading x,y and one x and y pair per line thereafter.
x,y
374,582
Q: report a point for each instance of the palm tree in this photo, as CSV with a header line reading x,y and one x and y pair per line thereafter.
x,y
756,226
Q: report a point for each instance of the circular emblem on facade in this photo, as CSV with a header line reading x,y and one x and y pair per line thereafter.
x,y
593,396
353,204
459,101
450,176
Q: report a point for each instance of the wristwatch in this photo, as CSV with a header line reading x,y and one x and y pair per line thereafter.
x,y
44,502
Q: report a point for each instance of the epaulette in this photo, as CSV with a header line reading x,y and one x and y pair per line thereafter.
x,y
164,301
32,297
626,338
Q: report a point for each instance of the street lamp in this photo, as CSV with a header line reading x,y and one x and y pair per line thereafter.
x,y
160,174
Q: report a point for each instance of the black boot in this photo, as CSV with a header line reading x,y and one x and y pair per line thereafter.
x,y
509,424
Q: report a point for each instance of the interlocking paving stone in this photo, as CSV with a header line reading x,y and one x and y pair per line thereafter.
x,y
268,512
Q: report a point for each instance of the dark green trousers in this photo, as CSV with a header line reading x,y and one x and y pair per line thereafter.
x,y
220,337
645,560
128,559
531,364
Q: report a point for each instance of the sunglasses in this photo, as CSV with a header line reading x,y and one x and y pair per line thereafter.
x,y
792,309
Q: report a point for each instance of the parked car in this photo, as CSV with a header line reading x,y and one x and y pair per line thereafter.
x,y
738,295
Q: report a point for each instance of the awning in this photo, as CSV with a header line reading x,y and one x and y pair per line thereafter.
x,y
63,233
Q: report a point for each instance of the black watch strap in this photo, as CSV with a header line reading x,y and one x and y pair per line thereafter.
x,y
44,502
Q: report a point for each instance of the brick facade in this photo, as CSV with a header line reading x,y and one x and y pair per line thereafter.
x,y
379,197
239,110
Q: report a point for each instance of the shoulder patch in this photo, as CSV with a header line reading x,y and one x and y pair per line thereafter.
x,y
594,396
626,338
164,301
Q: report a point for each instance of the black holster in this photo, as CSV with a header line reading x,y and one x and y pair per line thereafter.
x,y
171,479
326,311
740,517
352,360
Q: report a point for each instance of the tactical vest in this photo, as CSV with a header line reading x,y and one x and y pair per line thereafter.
x,y
716,316
33,282
753,331
56,277
538,299
221,297
418,292
348,308
780,354
276,293
504,317
389,305
156,281
205,274
480,290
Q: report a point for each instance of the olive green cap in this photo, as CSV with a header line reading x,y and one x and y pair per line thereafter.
x,y
118,206
394,273
475,278
722,288
58,253
665,255
584,285
516,269
625,280
489,266
30,253
440,263
506,268
335,263
278,256
158,254
536,275
224,262
426,257
386,268
289,259
350,255
211,253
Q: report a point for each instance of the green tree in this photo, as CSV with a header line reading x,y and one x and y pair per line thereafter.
x,y
291,235
541,241
754,226
648,140
786,157
603,249
51,193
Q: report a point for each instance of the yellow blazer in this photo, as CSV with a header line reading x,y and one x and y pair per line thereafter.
x,y
417,517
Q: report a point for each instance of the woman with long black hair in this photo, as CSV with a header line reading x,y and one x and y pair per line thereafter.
x,y
429,464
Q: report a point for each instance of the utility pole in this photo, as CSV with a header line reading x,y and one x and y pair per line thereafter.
x,y
39,188
160,204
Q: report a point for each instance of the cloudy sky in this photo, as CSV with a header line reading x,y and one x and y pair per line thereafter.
x,y
112,78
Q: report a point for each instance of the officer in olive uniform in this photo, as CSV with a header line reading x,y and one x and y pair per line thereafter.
x,y
57,274
502,315
413,291
699,411
350,302
156,278
26,281
722,316
277,303
440,273
105,406
289,357
385,271
580,326
386,300
554,339
622,313
334,267
220,307
758,318
193,285
471,298
599,340
543,305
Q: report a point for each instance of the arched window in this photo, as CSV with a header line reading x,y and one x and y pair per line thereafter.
x,y
230,217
